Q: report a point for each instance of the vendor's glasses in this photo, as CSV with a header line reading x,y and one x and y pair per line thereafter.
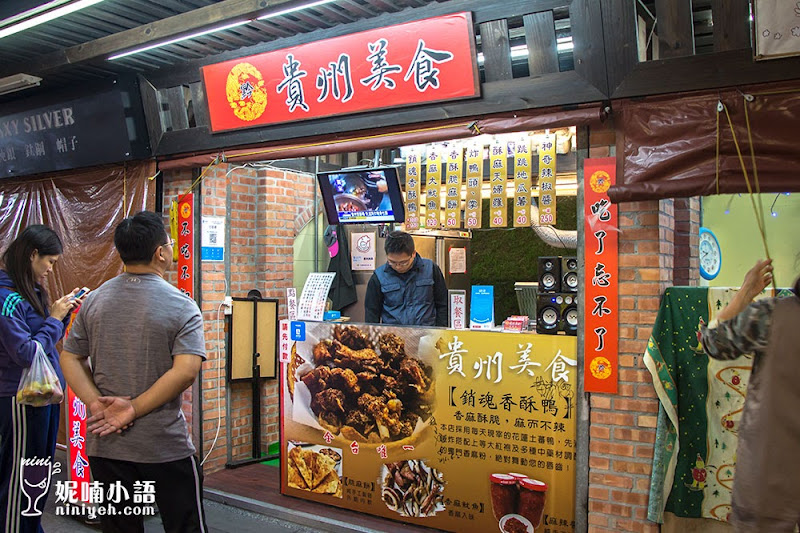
x,y
400,264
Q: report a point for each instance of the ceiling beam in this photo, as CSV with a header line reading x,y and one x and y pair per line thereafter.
x,y
160,30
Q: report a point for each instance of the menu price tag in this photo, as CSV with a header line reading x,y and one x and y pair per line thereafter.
x,y
413,188
497,180
433,182
522,182
472,207
547,181
452,208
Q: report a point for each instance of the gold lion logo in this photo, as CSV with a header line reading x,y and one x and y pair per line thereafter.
x,y
600,367
600,181
246,93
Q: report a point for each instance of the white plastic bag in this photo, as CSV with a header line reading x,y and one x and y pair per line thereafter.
x,y
39,384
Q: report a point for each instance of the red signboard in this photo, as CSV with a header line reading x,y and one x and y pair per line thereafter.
x,y
78,461
601,307
76,447
185,245
414,63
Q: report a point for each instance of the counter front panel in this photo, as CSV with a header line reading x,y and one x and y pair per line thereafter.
x,y
426,425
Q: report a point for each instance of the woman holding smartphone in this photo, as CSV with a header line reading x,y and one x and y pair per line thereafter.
x,y
27,432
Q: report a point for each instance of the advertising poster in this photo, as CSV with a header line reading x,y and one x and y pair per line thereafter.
x,y
362,251
455,430
212,239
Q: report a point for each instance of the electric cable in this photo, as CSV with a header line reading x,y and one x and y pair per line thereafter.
x,y
219,377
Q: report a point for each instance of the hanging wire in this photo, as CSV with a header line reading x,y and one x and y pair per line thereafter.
x,y
772,207
716,160
758,214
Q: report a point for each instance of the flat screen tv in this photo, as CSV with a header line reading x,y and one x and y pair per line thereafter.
x,y
362,196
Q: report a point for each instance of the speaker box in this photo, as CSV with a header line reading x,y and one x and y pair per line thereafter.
x,y
557,312
549,275
569,274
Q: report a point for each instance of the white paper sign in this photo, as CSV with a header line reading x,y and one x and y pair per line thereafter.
x,y
458,260
458,309
777,28
314,296
212,239
362,251
285,343
291,303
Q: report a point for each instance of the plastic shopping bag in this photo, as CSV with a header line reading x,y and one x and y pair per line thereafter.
x,y
39,385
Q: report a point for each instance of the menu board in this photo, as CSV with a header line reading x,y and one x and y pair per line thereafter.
x,y
455,430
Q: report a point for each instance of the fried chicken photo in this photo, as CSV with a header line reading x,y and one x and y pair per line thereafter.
x,y
351,337
371,395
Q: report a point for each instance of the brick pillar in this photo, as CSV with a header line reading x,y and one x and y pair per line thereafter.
x,y
622,427
687,229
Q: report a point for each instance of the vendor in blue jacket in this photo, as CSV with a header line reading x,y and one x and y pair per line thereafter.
x,y
407,289
27,432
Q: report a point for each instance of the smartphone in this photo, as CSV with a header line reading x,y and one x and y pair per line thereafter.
x,y
80,293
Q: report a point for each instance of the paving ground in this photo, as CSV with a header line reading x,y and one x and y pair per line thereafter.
x,y
221,518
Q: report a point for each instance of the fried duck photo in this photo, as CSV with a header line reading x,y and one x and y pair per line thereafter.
x,y
368,393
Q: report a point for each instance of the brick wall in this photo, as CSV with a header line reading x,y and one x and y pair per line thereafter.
x,y
657,249
264,209
622,426
687,230
175,185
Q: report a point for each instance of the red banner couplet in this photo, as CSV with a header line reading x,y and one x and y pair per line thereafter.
x,y
185,245
601,307
76,446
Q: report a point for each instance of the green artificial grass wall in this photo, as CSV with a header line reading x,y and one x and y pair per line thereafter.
x,y
501,257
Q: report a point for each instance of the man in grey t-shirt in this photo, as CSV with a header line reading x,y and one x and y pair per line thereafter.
x,y
135,346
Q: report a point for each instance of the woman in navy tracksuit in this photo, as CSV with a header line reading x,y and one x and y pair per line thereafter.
x,y
25,317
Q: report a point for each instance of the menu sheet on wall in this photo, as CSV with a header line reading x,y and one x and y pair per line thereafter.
x,y
455,430
315,295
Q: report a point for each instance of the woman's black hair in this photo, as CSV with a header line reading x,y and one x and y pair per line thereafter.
x,y
17,262
797,288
